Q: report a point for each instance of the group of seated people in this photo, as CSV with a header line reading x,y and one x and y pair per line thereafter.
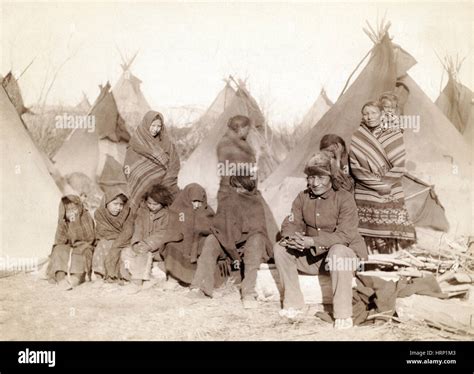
x,y
333,221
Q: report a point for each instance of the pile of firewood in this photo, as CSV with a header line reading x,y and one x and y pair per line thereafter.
x,y
451,262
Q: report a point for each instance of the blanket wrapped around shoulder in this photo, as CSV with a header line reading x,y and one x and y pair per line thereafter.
x,y
233,151
249,211
74,238
239,216
187,224
79,231
150,228
186,231
117,228
150,160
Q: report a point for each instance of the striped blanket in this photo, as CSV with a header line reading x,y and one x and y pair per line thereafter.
x,y
377,161
150,160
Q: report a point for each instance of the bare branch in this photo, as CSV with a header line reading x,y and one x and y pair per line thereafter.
x,y
25,69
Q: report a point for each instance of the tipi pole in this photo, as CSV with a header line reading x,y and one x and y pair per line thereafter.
x,y
25,69
350,76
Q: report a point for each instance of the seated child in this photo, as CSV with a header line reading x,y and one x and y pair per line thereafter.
x,y
190,218
151,222
114,229
71,257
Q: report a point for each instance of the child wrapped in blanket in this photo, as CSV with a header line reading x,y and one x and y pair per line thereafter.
x,y
71,257
148,238
114,229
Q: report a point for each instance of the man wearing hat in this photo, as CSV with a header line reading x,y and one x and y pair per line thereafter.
x,y
320,236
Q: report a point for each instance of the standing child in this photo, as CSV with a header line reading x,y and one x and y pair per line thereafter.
x,y
151,159
71,257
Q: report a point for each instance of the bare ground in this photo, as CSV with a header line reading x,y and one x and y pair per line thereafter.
x,y
33,309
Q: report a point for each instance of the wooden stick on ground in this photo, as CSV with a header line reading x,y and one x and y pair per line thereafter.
x,y
455,288
446,276
415,260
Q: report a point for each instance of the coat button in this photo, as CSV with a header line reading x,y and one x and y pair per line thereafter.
x,y
317,214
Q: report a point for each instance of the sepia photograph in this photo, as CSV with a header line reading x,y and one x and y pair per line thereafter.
x,y
233,171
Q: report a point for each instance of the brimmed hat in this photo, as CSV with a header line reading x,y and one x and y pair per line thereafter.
x,y
319,164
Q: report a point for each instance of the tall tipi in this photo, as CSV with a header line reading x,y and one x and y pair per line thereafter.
x,y
201,166
456,100
131,102
314,114
12,89
84,151
428,141
217,107
84,105
29,196
206,122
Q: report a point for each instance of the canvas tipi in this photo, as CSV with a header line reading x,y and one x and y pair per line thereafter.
x,y
206,122
218,106
29,196
84,105
456,100
314,114
84,150
131,102
201,166
10,84
12,89
112,174
430,155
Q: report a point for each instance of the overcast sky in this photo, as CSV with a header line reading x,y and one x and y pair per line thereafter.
x,y
286,51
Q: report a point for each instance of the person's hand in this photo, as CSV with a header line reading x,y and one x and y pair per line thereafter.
x,y
302,241
290,242
385,190
283,242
